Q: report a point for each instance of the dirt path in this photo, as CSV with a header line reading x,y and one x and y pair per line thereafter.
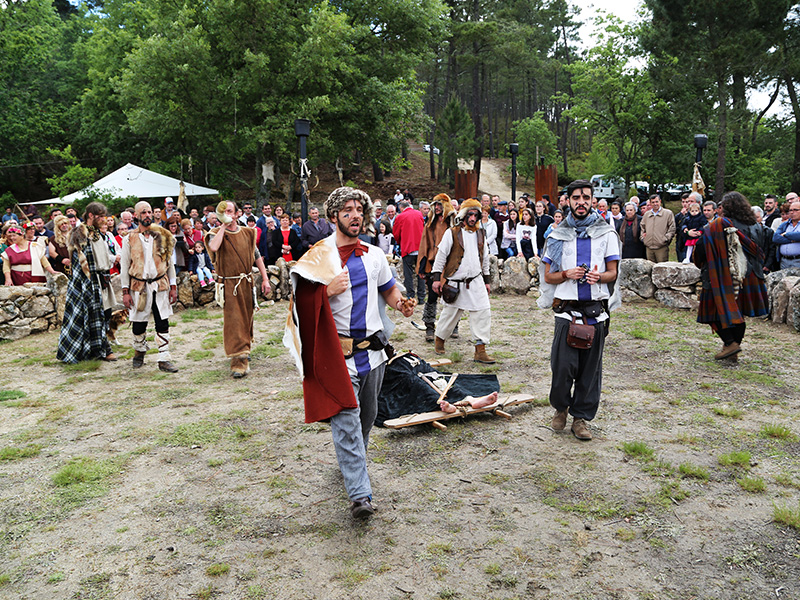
x,y
495,176
140,485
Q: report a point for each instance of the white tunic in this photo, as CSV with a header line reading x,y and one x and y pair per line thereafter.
x,y
148,272
472,265
103,261
592,252
356,311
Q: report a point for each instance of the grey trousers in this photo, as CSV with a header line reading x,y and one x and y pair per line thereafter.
x,y
350,429
577,374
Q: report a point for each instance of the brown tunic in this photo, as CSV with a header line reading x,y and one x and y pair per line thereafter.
x,y
235,258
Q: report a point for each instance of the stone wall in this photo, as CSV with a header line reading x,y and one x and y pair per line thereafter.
x,y
39,307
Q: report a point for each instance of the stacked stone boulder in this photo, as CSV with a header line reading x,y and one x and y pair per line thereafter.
x,y
784,296
676,284
26,309
635,279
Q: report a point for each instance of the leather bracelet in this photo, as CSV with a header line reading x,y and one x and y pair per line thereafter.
x,y
564,275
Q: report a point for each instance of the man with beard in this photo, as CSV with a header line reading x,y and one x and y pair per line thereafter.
x,y
338,333
147,275
89,293
440,220
463,263
232,249
580,261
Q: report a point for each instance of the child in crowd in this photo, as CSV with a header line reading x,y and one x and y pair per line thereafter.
x,y
693,228
558,216
385,240
201,264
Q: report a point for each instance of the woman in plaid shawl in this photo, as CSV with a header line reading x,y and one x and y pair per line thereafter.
x,y
84,329
720,305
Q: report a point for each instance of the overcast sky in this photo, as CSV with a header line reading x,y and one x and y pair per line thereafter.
x,y
626,10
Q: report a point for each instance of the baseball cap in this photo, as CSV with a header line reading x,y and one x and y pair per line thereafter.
x,y
503,202
169,201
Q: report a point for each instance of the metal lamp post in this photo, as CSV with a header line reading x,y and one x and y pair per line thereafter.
x,y
302,129
514,149
700,142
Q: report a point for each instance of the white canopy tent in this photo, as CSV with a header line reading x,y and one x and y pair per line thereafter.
x,y
131,180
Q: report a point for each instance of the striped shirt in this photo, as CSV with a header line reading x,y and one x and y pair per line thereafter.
x,y
356,311
591,252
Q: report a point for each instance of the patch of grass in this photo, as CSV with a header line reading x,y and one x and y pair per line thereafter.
x,y
12,453
787,516
492,569
94,587
642,330
266,350
217,569
5,578
727,411
11,395
215,462
735,459
757,378
213,339
693,471
754,485
638,450
170,393
652,387
57,413
541,401
197,354
211,376
191,434
439,548
86,366
495,478
787,480
191,315
778,432
56,577
456,356
351,577
625,534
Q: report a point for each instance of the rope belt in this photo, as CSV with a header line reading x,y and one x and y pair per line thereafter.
x,y
239,278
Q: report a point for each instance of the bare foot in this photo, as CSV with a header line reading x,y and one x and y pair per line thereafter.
x,y
446,407
481,402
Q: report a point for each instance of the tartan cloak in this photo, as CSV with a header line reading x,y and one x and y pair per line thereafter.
x,y
719,306
84,328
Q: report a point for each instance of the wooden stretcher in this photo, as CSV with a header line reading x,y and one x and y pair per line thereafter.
x,y
436,416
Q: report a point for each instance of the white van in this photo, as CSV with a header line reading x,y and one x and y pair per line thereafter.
x,y
607,188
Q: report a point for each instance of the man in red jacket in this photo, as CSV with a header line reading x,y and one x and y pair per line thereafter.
x,y
407,231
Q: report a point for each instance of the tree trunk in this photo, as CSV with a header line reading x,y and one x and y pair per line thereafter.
x,y
796,110
722,135
739,112
477,119
377,172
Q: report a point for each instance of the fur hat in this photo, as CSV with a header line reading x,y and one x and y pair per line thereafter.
x,y
340,196
466,205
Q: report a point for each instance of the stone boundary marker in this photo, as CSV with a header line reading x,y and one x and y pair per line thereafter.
x,y
35,308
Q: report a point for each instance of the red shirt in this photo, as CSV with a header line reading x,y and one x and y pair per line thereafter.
x,y
407,230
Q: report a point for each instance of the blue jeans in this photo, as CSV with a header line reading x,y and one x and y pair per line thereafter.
x,y
203,273
350,429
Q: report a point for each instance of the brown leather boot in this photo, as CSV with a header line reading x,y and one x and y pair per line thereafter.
x,y
728,351
439,347
559,420
240,366
580,430
481,356
138,359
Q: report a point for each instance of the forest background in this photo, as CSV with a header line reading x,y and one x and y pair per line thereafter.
x,y
208,90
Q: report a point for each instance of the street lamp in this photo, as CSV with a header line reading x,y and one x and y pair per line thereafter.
x,y
302,129
700,142
514,149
